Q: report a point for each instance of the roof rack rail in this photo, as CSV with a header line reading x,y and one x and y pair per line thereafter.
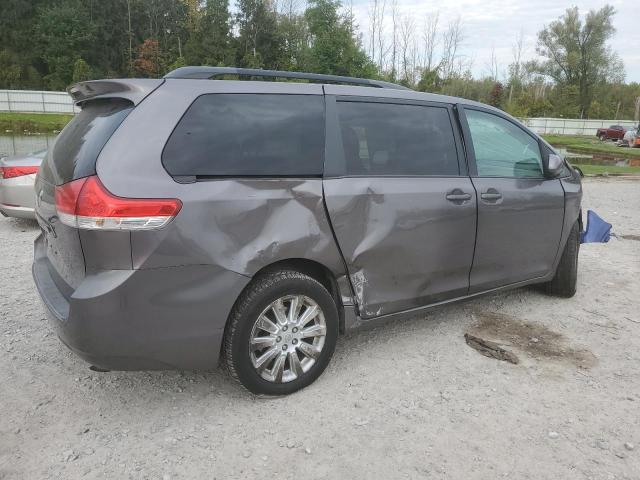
x,y
213,72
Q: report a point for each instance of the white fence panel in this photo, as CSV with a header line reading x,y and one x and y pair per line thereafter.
x,y
30,101
572,126
60,102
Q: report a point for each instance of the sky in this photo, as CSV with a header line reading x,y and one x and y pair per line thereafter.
x,y
495,24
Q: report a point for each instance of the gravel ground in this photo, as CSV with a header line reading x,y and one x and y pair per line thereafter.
x,y
406,400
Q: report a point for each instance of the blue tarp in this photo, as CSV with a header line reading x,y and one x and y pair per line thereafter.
x,y
597,231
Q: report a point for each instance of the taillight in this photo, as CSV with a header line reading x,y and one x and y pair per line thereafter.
x,y
86,203
12,172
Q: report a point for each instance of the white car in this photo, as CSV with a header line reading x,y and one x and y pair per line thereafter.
x,y
17,180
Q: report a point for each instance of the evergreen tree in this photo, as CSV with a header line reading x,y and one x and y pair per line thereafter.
x,y
210,43
334,47
65,34
81,71
259,41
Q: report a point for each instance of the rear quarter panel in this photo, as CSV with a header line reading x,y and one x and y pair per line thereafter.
x,y
240,225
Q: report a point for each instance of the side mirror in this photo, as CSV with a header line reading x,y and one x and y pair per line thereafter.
x,y
555,165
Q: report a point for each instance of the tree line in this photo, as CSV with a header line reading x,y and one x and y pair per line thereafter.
x,y
49,45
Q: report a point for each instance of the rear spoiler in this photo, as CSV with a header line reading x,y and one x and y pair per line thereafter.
x,y
133,89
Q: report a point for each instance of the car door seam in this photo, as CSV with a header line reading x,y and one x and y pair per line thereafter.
x,y
337,244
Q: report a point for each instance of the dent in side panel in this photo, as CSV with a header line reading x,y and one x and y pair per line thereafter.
x,y
106,250
243,226
405,245
572,187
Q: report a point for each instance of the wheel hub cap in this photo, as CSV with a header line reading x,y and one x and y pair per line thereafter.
x,y
287,338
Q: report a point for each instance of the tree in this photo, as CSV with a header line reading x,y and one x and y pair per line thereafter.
x,y
576,52
515,68
65,33
408,50
210,42
334,49
81,71
430,40
451,42
258,42
376,28
496,94
294,37
148,62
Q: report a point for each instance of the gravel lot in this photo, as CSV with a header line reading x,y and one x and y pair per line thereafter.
x,y
406,400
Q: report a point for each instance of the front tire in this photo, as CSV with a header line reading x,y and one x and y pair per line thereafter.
x,y
565,280
281,333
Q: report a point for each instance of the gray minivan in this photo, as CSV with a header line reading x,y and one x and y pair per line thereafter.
x,y
188,220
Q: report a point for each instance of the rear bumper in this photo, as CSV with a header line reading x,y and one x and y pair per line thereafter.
x,y
18,196
166,318
16,211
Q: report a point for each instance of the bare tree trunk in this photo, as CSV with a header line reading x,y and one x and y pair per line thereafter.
x,y
381,33
130,33
516,66
407,29
394,38
637,114
492,66
451,41
376,26
430,39
373,16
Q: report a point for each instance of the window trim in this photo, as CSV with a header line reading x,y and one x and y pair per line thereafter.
x,y
208,178
471,153
335,163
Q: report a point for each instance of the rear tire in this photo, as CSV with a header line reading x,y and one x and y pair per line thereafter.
x,y
565,280
261,325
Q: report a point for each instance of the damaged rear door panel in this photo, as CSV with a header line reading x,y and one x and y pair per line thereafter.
x,y
400,202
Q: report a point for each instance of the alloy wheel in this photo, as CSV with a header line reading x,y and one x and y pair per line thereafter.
x,y
287,338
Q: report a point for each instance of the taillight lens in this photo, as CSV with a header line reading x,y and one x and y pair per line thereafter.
x,y
13,172
86,203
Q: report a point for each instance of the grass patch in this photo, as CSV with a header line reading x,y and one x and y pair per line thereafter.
x,y
583,144
607,169
33,122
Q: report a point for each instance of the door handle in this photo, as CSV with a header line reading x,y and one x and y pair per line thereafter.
x,y
491,195
457,195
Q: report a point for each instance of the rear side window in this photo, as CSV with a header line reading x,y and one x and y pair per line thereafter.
x,y
76,149
392,139
248,135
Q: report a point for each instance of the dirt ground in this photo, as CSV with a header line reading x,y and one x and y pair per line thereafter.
x,y
407,400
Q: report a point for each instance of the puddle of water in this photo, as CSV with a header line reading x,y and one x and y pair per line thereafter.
x,y
596,158
11,144
533,339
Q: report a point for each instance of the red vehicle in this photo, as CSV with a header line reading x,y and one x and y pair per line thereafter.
x,y
614,132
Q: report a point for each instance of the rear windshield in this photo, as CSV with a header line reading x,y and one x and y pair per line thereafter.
x,y
248,135
76,149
